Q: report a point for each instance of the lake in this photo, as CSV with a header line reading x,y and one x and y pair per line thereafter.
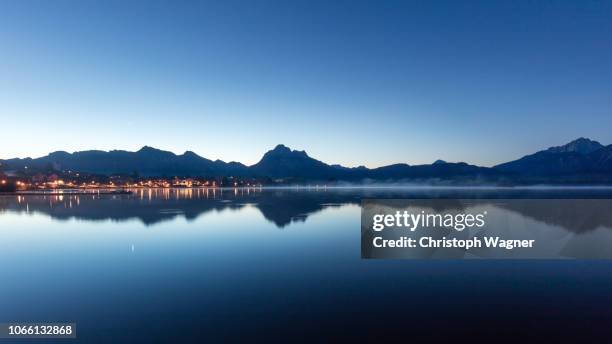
x,y
188,265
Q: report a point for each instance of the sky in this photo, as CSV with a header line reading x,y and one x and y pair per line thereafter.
x,y
351,82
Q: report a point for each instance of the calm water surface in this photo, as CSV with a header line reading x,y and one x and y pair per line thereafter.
x,y
193,265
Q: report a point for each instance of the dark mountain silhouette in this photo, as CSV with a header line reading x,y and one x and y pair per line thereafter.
x,y
147,161
581,146
580,161
453,171
282,162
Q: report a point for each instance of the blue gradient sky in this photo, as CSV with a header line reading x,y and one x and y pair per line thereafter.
x,y
350,82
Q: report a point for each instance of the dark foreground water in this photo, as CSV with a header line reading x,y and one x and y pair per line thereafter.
x,y
267,265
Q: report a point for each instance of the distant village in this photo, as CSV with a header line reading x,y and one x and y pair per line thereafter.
x,y
12,182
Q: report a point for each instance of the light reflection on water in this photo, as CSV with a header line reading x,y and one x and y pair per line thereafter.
x,y
246,263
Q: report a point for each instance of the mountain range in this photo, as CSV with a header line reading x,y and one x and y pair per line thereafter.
x,y
580,161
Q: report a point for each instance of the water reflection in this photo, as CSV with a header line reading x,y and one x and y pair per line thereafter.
x,y
285,206
232,277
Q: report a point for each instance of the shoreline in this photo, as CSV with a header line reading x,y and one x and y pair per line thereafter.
x,y
128,191
66,192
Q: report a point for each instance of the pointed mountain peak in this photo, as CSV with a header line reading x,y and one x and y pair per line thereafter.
x,y
281,148
191,154
581,145
148,149
285,151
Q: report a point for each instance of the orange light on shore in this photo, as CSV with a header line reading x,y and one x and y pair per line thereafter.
x,y
4,182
